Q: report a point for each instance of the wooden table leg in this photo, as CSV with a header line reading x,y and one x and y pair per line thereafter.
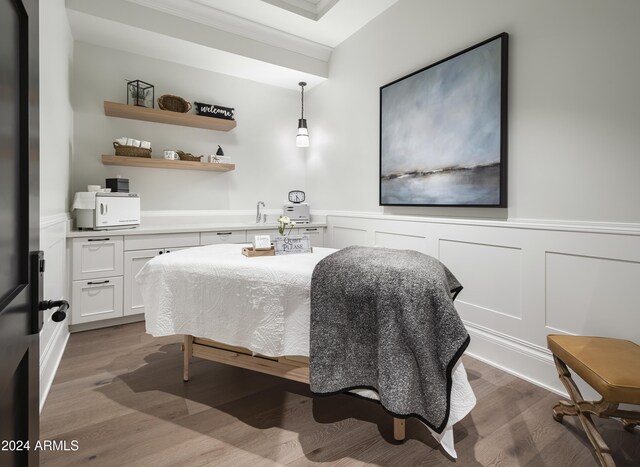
x,y
399,429
187,349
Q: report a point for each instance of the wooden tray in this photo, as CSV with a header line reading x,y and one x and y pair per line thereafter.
x,y
251,253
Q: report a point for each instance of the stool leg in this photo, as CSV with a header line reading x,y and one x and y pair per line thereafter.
x,y
629,425
567,408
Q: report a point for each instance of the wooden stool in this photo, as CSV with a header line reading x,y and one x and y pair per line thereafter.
x,y
611,367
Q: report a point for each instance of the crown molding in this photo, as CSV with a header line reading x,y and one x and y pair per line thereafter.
x,y
199,12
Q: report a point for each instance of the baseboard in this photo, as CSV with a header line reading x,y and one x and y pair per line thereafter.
x,y
50,360
522,359
106,323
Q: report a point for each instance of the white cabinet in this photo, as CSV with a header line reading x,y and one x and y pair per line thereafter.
x,y
104,267
99,256
96,299
96,288
133,261
271,232
103,272
161,241
226,236
316,235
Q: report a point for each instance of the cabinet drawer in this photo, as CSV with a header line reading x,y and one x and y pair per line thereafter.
x,y
95,257
96,299
147,242
225,236
316,235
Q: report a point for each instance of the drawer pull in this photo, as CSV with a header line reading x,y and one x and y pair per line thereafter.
x,y
311,230
97,283
98,239
224,233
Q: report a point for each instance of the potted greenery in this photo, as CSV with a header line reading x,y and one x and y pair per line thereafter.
x,y
138,93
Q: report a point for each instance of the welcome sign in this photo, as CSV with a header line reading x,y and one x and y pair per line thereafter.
x,y
292,244
217,111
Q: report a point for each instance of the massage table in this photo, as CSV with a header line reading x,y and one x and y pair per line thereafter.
x,y
253,313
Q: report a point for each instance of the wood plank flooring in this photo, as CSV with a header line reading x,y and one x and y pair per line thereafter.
x,y
120,394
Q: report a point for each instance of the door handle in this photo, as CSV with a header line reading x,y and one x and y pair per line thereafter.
x,y
36,282
61,313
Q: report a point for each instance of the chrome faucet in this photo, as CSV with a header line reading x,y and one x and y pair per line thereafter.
x,y
259,216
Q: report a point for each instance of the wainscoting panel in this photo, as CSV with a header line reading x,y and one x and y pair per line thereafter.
x,y
400,241
523,280
344,236
53,337
491,276
585,293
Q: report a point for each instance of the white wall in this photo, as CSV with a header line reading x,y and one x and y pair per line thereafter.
x,y
262,145
56,114
574,106
574,115
56,127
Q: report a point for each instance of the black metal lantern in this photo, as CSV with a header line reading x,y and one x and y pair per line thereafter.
x,y
140,93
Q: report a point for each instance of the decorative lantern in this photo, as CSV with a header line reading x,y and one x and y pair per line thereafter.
x,y
140,93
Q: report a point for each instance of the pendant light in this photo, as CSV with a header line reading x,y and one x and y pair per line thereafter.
x,y
302,138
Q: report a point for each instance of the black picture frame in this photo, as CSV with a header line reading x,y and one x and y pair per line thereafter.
x,y
443,131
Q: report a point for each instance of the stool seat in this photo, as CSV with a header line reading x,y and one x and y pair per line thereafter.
x,y
610,366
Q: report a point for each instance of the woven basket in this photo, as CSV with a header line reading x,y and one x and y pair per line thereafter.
x,y
187,156
131,151
173,103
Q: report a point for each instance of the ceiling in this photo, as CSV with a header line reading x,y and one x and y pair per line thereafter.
x,y
277,42
327,22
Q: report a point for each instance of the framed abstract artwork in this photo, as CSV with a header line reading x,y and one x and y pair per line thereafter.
x,y
443,131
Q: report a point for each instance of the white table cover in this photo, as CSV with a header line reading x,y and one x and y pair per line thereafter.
x,y
262,304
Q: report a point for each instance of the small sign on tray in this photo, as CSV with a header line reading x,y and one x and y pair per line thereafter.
x,y
292,244
262,242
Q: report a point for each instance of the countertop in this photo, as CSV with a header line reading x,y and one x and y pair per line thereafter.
x,y
149,229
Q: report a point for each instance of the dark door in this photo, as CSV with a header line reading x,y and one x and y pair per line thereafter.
x,y
19,231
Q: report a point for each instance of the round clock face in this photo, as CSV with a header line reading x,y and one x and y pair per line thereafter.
x,y
296,196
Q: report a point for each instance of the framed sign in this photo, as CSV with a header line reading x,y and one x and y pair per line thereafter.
x,y
292,244
443,131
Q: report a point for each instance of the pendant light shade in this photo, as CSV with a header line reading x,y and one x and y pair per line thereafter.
x,y
302,138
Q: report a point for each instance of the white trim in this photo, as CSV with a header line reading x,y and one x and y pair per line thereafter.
x,y
50,361
233,24
519,354
529,224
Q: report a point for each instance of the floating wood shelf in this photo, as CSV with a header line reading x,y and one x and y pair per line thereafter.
x,y
113,109
165,164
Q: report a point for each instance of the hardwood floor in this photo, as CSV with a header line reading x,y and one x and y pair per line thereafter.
x,y
119,393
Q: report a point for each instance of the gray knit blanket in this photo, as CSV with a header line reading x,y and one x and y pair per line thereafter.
x,y
384,319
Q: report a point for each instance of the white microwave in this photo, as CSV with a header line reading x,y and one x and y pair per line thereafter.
x,y
111,211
